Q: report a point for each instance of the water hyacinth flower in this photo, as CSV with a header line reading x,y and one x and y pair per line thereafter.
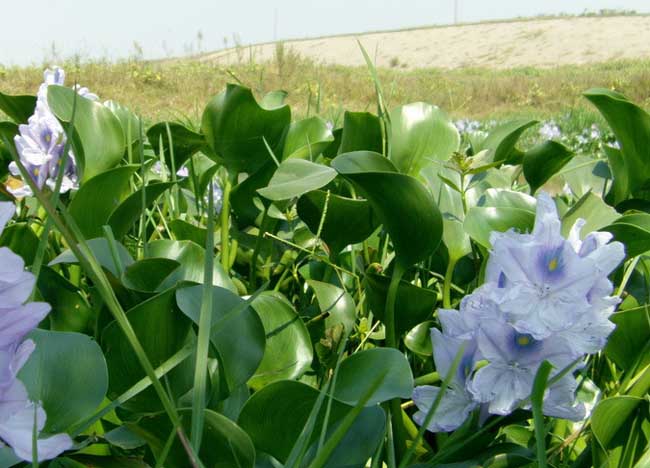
x,y
42,140
18,413
550,131
546,298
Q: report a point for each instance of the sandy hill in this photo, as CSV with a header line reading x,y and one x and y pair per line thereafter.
x,y
532,42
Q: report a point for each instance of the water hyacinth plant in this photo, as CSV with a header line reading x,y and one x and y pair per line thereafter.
x,y
21,420
258,289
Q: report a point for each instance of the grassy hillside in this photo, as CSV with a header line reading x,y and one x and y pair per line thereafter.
x,y
181,90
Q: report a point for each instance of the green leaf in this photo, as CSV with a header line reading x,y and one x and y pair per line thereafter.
x,y
236,127
360,370
413,305
67,373
242,197
404,206
631,126
192,259
225,444
22,240
631,335
584,174
288,352
593,210
356,215
543,161
18,108
183,230
614,427
418,339
162,330
296,177
499,210
102,252
275,416
237,332
502,140
96,200
128,212
184,142
70,311
99,131
633,230
129,121
307,138
337,303
148,274
421,133
361,132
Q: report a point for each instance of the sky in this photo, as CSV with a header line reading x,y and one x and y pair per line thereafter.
x,y
42,31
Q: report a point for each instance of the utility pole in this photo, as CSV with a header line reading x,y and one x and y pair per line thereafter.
x,y
456,11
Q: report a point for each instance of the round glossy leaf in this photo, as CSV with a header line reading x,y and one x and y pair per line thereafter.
x,y
633,230
276,415
500,210
418,339
421,133
358,372
631,335
22,241
147,275
591,208
183,230
128,212
356,215
413,305
336,302
128,120
99,130
96,200
361,132
192,259
404,206
162,330
102,252
288,351
237,331
307,138
236,128
184,142
295,177
543,161
631,126
502,140
18,108
224,443
67,373
243,195
70,311
585,173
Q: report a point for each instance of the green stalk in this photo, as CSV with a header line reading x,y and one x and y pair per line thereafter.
x,y
89,263
252,273
203,338
537,402
391,342
143,175
446,285
225,225
176,209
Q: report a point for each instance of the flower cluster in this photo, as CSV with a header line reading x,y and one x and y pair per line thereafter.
x,y
17,318
546,298
41,142
550,131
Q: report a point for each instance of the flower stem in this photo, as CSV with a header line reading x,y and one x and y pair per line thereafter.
x,y
446,286
225,226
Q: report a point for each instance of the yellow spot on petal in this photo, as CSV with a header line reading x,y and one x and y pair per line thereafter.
x,y
523,340
552,265
36,172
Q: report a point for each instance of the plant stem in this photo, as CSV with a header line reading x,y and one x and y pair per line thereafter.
x,y
256,251
225,225
446,286
392,342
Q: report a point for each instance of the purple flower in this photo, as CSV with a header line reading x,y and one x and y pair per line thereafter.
x,y
17,319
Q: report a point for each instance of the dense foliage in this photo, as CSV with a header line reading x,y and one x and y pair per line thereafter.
x,y
262,291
